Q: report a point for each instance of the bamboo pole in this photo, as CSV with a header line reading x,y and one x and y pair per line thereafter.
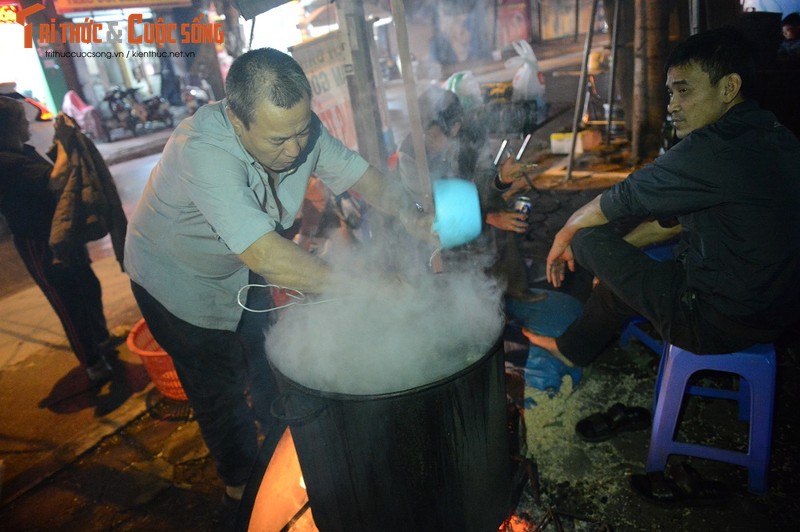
x,y
414,118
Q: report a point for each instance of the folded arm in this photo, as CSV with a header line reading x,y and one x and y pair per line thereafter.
x,y
651,232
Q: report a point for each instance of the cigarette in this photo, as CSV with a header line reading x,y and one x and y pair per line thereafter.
x,y
522,148
501,151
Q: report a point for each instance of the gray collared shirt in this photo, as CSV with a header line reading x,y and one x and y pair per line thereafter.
x,y
208,200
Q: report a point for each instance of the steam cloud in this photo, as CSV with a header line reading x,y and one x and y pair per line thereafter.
x,y
376,335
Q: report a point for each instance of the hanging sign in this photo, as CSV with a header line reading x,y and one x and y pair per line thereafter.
x,y
68,6
324,60
8,12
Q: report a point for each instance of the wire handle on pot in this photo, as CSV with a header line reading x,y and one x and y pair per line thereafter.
x,y
280,408
298,296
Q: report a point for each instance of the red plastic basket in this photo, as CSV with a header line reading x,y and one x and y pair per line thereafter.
x,y
156,361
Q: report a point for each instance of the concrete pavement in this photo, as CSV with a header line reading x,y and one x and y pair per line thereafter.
x,y
49,413
134,147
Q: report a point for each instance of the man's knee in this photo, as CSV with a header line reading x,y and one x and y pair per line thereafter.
x,y
594,244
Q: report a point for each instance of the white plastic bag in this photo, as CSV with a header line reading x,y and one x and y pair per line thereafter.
x,y
528,82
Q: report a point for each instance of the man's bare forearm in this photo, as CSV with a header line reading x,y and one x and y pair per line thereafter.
x,y
590,215
283,263
390,197
384,194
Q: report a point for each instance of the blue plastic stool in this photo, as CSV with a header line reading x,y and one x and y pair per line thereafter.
x,y
633,330
756,369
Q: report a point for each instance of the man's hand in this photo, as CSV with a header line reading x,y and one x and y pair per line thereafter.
x,y
511,170
64,129
419,225
508,221
519,186
515,175
560,258
389,197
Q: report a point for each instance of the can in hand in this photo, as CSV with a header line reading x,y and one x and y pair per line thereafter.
x,y
523,204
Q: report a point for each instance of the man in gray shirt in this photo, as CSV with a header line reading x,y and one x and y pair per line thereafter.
x,y
230,179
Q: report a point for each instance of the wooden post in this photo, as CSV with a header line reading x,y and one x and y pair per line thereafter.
x,y
650,40
414,118
612,74
356,34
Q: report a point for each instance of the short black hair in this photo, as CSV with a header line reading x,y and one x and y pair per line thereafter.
x,y
264,73
718,52
792,19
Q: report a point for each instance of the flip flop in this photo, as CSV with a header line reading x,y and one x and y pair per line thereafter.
x,y
657,489
619,418
685,488
698,491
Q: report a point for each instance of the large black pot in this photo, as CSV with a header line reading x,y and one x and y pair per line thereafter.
x,y
433,458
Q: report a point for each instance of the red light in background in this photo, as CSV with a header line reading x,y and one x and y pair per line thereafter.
x,y
44,113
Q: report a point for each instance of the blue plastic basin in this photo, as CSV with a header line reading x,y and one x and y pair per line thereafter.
x,y
457,212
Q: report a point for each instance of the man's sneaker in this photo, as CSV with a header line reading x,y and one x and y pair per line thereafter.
x,y
99,372
116,336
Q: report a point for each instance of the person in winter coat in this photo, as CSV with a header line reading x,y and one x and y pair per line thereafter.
x,y
28,200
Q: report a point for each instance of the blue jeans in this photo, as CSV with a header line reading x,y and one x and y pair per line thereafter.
x,y
225,375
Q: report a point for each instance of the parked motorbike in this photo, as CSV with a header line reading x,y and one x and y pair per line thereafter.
x,y
127,112
196,92
150,110
121,113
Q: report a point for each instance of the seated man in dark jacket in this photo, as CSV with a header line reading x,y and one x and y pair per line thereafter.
x,y
733,184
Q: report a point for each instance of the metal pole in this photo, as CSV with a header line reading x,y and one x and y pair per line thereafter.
x,y
577,19
581,91
356,36
694,14
414,118
612,70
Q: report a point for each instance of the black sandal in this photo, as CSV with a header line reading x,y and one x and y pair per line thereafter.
x,y
685,487
619,418
657,489
698,491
